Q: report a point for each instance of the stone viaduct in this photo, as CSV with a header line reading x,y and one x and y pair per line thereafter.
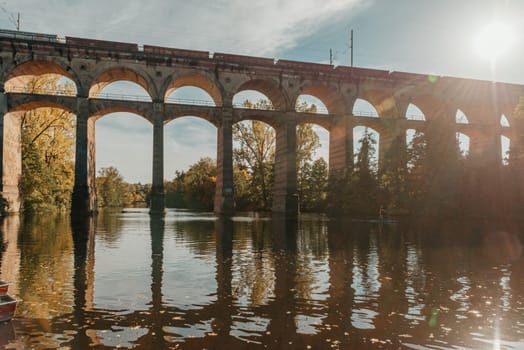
x,y
93,64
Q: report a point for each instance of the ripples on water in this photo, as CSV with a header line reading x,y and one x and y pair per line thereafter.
x,y
193,281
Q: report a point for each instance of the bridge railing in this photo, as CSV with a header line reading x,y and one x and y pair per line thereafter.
x,y
367,114
184,101
123,97
40,91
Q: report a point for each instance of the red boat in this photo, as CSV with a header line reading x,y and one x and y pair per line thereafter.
x,y
7,307
3,287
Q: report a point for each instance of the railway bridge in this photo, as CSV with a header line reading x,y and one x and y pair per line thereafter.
x,y
93,64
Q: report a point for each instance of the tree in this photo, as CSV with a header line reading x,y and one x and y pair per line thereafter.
x,y
393,177
357,192
255,154
314,183
194,188
363,181
307,143
175,191
47,152
111,189
307,139
242,183
200,183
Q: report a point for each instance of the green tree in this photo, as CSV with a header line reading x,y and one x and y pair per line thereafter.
x,y
436,173
47,152
393,178
111,189
138,195
357,192
242,183
314,184
255,154
200,183
363,181
418,169
175,191
307,143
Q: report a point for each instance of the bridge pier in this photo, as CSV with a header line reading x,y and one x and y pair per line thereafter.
x,y
340,147
285,196
83,199
389,136
10,158
157,202
224,192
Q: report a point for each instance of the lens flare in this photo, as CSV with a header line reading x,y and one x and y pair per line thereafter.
x,y
494,40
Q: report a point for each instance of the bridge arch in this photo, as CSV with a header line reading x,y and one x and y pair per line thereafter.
x,y
103,111
382,101
364,108
124,132
432,105
210,86
267,87
105,77
461,118
413,112
304,103
330,98
258,115
504,122
26,104
203,115
19,78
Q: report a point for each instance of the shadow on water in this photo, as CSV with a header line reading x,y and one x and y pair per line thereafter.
x,y
258,282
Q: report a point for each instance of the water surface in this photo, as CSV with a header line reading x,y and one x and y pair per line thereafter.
x,y
192,281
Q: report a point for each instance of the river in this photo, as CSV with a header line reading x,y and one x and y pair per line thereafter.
x,y
191,281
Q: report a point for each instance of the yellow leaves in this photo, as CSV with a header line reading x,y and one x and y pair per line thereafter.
x,y
48,137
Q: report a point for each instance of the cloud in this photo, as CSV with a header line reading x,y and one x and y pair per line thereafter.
x,y
238,26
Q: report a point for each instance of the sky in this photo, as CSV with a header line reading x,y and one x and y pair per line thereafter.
x,y
445,37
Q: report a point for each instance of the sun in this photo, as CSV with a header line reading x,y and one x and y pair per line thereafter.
x,y
494,40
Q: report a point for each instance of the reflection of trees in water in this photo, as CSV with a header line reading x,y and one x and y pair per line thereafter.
x,y
109,226
397,272
312,257
253,275
312,237
46,269
196,234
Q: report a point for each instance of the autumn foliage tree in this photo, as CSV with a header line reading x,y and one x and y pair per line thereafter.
x,y
194,188
48,136
254,156
113,191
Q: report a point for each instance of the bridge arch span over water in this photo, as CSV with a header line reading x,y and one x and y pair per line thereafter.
x,y
92,65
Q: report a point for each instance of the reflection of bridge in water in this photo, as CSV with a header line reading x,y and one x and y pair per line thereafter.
x,y
91,65
380,286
